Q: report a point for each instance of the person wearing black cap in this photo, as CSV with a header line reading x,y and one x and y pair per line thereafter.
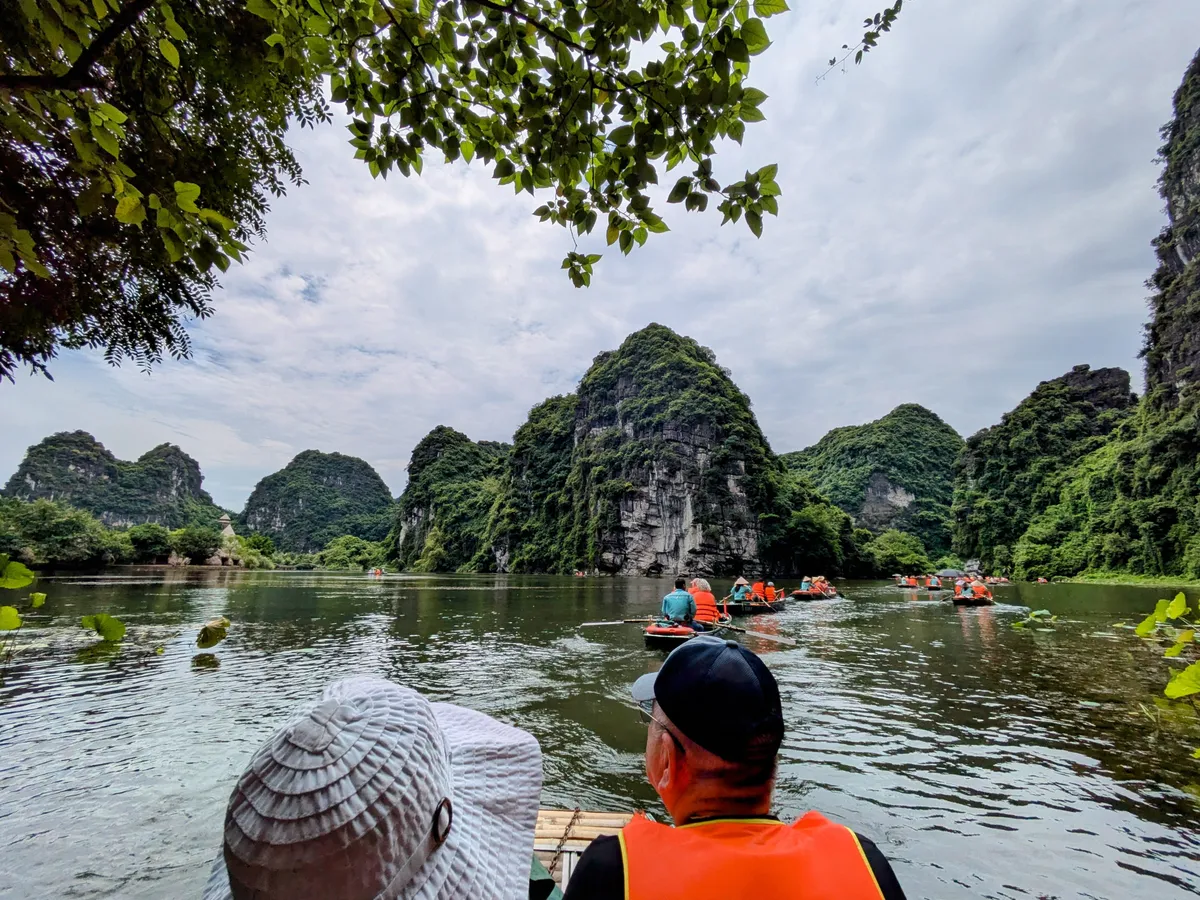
x,y
716,724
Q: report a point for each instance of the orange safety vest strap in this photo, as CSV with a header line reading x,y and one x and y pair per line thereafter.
x,y
811,859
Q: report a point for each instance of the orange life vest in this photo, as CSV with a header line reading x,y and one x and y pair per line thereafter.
x,y
706,606
740,859
770,593
759,590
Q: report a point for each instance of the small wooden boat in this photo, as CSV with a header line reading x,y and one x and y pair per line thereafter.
x,y
812,594
562,835
751,608
960,600
663,635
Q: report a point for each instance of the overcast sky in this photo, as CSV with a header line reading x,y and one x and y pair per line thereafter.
x,y
967,213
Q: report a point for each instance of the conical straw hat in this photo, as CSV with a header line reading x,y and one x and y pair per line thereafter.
x,y
374,793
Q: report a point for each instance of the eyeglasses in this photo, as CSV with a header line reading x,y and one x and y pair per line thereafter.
x,y
646,707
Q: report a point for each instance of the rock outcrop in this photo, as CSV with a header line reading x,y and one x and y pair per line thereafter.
x,y
896,472
1172,349
163,486
316,498
655,465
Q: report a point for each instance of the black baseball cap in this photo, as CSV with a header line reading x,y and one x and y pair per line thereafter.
x,y
720,695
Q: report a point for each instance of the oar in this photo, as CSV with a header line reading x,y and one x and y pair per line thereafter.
x,y
618,622
759,634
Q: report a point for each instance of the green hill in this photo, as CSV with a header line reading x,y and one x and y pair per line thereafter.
x,y
894,473
316,498
163,486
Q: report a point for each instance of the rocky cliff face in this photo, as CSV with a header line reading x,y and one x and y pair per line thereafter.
x,y
163,486
443,512
1012,471
896,472
316,498
1172,350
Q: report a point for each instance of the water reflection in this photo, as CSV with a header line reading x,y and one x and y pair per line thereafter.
x,y
988,762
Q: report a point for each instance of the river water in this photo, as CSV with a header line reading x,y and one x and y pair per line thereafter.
x,y
984,761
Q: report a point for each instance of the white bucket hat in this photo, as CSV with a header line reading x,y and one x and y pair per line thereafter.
x,y
375,793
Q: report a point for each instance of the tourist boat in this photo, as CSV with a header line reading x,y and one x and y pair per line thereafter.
x,y
563,834
814,594
960,600
752,607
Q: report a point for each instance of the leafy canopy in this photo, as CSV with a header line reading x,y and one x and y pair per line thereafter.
x,y
551,94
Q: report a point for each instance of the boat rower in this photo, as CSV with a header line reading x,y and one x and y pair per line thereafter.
x,y
679,606
770,591
741,591
715,727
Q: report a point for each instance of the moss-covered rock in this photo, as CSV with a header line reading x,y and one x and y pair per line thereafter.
x,y
894,473
163,486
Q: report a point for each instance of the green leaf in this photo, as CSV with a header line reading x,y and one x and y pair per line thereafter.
x,y
738,51
768,8
752,114
754,33
1178,607
768,173
317,25
108,627
753,97
1196,753
754,220
1160,611
10,619
467,149
107,141
112,113
37,599
680,191
1181,642
169,52
1185,683
130,211
1146,626
262,9
15,575
621,136
173,27
186,194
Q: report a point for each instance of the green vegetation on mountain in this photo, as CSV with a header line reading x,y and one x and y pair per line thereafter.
x,y
1011,472
894,473
443,512
318,497
1077,480
349,552
163,486
47,533
895,552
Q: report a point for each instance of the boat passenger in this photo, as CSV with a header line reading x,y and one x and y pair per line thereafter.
x,y
308,817
707,614
679,606
716,724
806,583
741,591
759,590
932,581
981,590
770,591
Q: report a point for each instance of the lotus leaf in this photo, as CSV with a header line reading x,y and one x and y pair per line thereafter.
x,y
108,627
1147,626
212,632
1185,683
10,619
37,599
1178,607
15,575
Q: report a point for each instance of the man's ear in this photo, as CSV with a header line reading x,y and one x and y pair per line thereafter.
x,y
666,758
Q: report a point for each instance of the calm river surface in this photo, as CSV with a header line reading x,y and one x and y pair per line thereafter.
x,y
986,762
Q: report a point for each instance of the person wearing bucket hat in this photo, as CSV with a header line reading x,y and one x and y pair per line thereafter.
x,y
374,793
741,590
715,727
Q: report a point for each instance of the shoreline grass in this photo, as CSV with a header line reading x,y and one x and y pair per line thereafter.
x,y
1124,578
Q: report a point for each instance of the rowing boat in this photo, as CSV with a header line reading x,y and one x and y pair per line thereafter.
x,y
973,601
810,595
563,834
663,635
743,608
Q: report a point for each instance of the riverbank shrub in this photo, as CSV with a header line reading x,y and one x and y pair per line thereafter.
x,y
897,552
151,543
349,552
46,533
195,543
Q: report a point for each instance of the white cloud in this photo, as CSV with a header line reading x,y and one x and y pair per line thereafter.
x,y
966,214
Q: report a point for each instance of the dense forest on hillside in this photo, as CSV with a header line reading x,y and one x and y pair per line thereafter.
x,y
895,472
163,486
318,497
442,516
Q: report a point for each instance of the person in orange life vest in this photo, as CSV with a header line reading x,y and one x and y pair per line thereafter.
x,y
759,590
770,591
715,727
707,614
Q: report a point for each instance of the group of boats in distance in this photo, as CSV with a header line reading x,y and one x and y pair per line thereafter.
x,y
970,589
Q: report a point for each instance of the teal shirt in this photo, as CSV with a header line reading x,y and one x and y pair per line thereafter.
x,y
678,606
742,592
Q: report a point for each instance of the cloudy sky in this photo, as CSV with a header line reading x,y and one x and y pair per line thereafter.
x,y
964,215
